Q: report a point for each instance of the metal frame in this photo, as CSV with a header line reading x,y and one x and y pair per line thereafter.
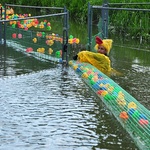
x,y
105,13
0,25
65,26
65,39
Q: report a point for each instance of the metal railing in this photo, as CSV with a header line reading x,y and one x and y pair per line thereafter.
x,y
105,13
65,29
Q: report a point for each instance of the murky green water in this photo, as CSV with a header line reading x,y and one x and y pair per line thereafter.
x,y
42,107
135,66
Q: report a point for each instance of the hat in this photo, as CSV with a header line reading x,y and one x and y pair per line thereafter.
x,y
107,43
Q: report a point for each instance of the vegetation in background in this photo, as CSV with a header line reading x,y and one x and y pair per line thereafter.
x,y
77,9
137,23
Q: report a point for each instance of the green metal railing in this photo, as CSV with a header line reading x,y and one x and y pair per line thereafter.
x,y
130,20
7,31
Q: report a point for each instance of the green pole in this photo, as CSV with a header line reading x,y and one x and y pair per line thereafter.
x,y
0,25
65,38
105,20
89,26
5,26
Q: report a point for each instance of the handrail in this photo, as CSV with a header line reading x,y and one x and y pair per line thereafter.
x,y
147,3
25,6
33,17
114,8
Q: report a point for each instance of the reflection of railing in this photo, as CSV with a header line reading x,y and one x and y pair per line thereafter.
x,y
65,28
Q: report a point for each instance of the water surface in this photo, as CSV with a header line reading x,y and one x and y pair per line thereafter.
x,y
44,107
52,110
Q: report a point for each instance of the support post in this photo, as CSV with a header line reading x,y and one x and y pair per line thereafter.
x,y
1,25
65,39
105,20
89,26
5,26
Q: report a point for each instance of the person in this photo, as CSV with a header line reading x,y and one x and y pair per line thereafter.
x,y
99,59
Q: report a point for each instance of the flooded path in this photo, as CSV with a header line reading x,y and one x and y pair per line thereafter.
x,y
51,110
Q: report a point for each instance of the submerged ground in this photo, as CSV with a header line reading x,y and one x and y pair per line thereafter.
x,y
44,107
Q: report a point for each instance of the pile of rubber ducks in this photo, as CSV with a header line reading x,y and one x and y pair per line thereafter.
x,y
24,24
73,40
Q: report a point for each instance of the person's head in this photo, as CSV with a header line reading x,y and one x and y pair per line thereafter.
x,y
101,49
103,46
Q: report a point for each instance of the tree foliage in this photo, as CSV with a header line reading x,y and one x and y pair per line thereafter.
x,y
78,9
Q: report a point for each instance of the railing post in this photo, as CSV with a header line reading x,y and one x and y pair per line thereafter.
x,y
89,26
105,20
67,28
1,25
65,39
5,26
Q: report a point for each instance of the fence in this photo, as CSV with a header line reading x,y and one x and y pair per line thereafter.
x,y
31,32
134,24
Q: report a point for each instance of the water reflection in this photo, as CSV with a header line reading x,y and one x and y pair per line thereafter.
x,y
135,66
49,110
13,62
43,107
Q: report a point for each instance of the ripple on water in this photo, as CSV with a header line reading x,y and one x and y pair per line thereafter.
x,y
49,110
